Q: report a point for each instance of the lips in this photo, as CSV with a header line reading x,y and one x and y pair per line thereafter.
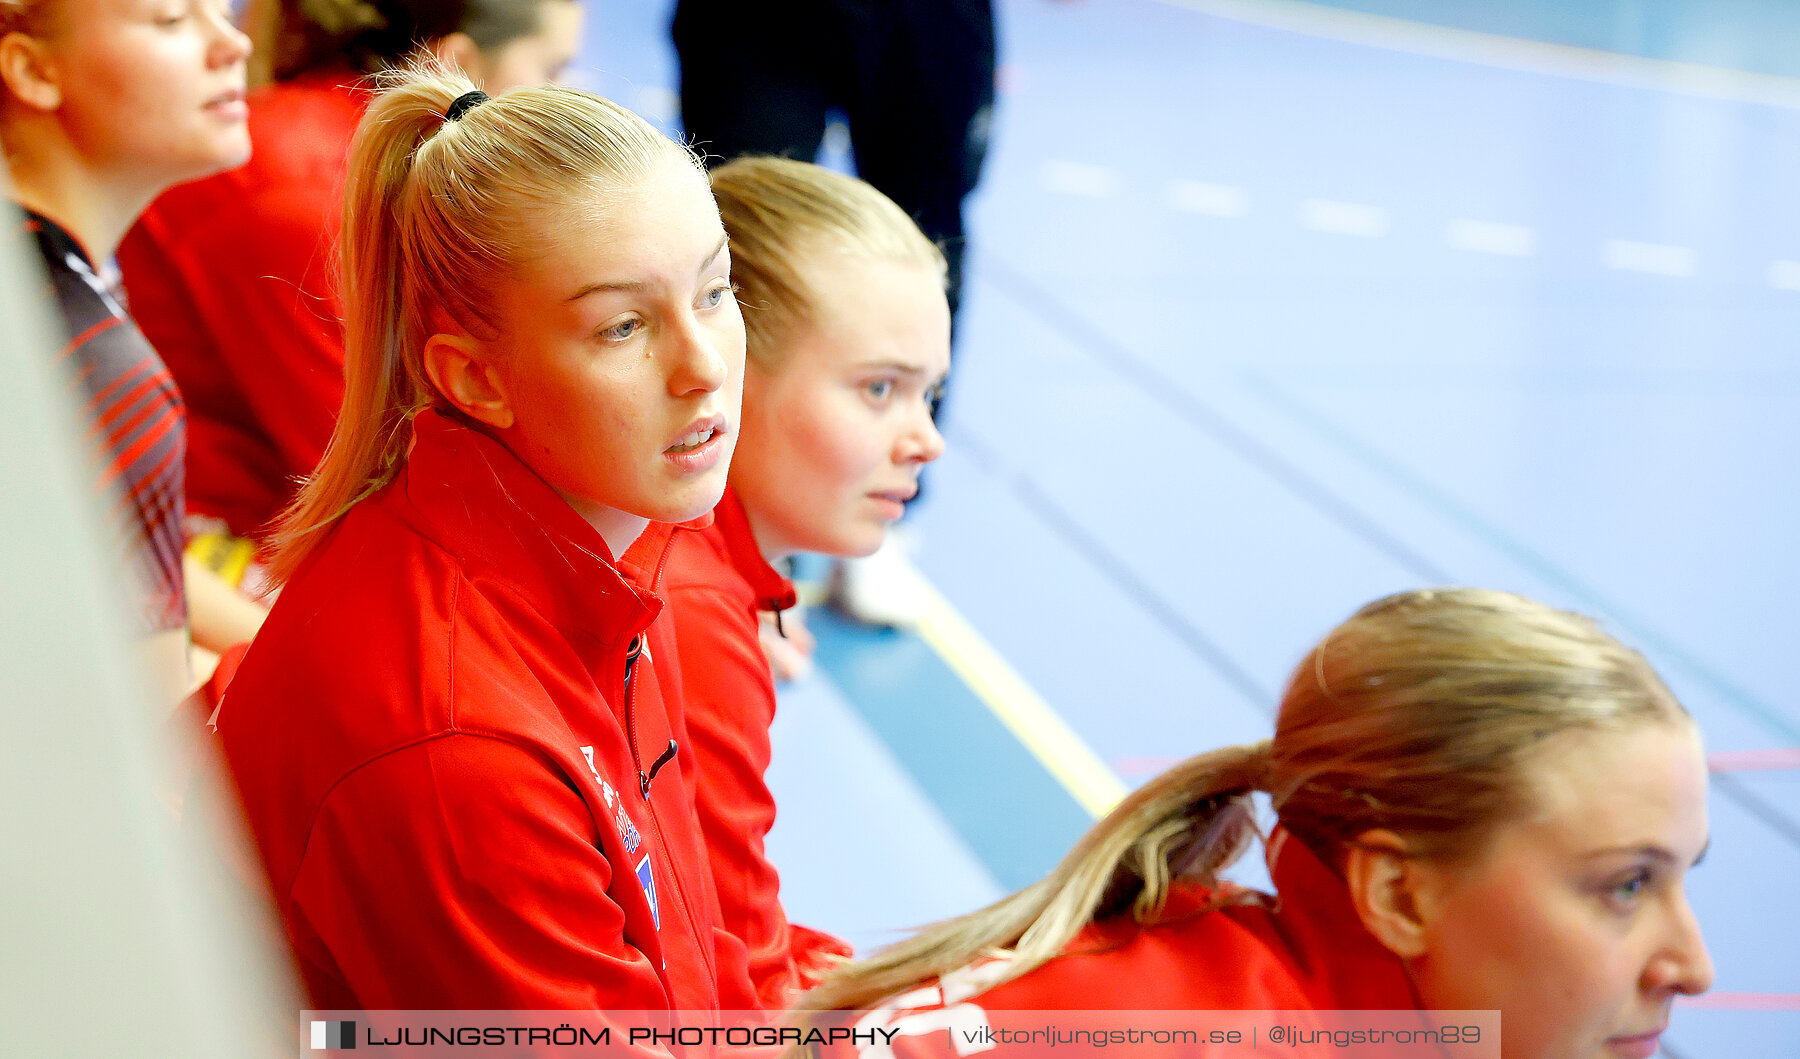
x,y
700,447
697,434
892,503
1641,1046
231,105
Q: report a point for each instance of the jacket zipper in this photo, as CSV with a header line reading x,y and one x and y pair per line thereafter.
x,y
632,652
707,956
638,646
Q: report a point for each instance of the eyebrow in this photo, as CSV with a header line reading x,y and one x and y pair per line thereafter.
x,y
638,286
1650,850
912,370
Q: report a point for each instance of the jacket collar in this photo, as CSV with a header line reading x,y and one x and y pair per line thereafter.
x,y
54,237
511,530
1341,963
773,592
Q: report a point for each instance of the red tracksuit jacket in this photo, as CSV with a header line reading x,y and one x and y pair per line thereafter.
x,y
232,279
1307,951
716,582
454,766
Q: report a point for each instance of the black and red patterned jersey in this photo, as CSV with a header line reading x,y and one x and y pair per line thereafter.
x,y
135,422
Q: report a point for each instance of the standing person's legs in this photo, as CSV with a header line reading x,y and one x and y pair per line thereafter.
x,y
919,105
754,77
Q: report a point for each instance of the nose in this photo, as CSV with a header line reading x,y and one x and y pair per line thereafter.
x,y
921,443
1683,965
230,45
704,355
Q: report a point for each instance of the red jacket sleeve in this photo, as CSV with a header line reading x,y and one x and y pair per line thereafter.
x,y
729,704
464,872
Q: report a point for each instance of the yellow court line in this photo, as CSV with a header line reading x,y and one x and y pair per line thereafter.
x,y
1039,728
1510,53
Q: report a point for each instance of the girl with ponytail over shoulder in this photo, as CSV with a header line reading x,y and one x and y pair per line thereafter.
x,y
453,738
1483,803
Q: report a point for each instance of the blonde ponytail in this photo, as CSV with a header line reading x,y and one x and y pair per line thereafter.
x,y
1419,715
435,212
1188,824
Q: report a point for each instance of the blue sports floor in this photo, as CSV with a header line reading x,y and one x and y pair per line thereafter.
x,y
1275,308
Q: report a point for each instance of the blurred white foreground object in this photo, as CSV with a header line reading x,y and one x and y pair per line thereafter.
x,y
120,934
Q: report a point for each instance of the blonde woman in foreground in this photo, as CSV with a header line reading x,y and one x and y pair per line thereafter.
x,y
1484,804
456,736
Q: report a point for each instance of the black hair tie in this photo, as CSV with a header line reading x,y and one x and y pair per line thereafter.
x,y
464,103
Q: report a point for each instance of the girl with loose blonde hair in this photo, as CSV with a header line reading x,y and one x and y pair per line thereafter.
x,y
103,105
234,274
1461,779
849,335
452,738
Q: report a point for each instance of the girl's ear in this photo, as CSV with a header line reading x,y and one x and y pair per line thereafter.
x,y
458,50
1389,887
29,73
458,368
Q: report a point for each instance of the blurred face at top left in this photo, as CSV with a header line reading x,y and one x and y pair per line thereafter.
x,y
540,56
147,90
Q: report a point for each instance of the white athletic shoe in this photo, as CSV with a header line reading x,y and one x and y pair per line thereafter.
x,y
882,589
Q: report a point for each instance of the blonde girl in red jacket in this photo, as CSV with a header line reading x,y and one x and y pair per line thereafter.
x,y
452,738
849,337
1484,803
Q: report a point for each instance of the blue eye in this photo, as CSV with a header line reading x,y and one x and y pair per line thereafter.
x,y
880,389
715,297
1624,894
621,331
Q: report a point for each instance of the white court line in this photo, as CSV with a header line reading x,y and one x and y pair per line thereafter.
x,y
1343,218
1017,705
1507,53
1784,275
1079,178
1656,259
1213,200
1491,237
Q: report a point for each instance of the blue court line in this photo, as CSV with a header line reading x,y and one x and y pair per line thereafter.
x,y
1167,392
1496,538
1433,39
1756,806
1102,559
1194,411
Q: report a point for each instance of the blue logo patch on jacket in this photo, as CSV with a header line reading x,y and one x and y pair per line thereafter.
x,y
647,879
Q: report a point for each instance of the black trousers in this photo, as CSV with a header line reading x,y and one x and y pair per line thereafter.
x,y
914,77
